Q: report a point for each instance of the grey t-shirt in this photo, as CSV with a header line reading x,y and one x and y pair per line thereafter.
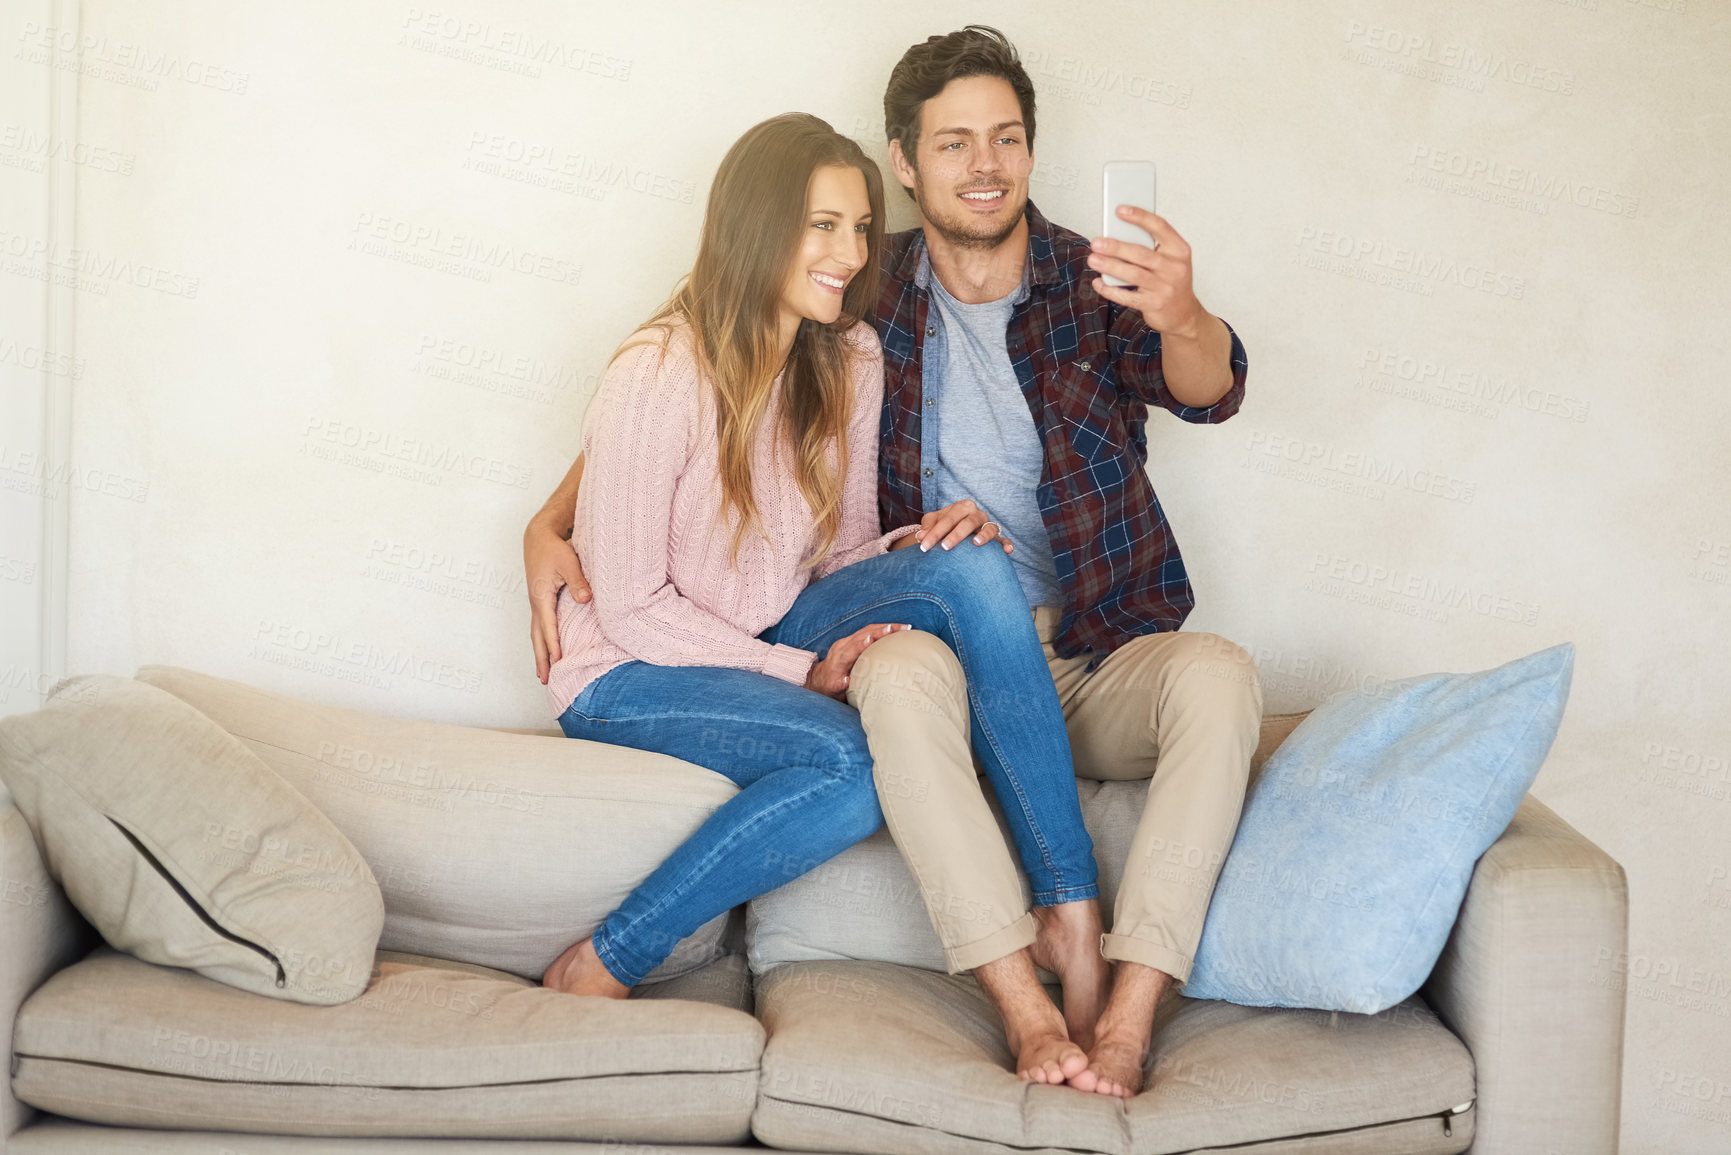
x,y
977,438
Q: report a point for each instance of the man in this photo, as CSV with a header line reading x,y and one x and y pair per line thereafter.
x,y
1016,383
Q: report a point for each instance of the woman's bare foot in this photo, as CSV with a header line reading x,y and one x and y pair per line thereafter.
x,y
1032,1025
1115,1061
1068,945
579,972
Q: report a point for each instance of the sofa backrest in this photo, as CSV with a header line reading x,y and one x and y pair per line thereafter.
x,y
494,848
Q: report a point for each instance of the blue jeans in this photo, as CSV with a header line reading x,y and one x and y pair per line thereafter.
x,y
802,758
969,597
807,793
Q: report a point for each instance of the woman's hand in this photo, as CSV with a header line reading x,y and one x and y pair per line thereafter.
x,y
830,675
549,564
949,525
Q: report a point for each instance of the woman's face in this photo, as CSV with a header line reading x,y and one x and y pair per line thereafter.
x,y
833,248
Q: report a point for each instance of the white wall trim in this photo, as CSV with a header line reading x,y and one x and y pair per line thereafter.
x,y
60,329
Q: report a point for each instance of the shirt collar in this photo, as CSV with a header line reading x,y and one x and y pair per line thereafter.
x,y
1041,267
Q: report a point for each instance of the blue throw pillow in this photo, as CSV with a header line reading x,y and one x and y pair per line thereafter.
x,y
1357,843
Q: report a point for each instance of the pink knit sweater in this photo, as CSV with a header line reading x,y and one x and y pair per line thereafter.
x,y
654,547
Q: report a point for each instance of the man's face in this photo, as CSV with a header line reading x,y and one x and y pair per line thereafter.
x,y
971,182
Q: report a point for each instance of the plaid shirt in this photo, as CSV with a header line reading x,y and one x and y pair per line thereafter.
x,y
1088,367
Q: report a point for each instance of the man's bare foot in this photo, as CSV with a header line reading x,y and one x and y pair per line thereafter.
x,y
579,972
1032,1025
1120,1050
1114,1068
1068,945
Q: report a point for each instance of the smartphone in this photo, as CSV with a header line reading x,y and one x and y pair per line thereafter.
x,y
1126,182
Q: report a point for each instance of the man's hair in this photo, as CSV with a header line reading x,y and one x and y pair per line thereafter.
x,y
925,69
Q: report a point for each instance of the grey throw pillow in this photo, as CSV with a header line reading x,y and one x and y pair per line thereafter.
x,y
181,847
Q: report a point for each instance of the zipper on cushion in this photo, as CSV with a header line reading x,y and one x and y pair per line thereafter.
x,y
1448,1116
281,975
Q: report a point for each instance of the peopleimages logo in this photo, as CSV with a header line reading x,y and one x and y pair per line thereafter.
x,y
35,359
1547,188
137,65
1426,589
332,437
465,38
496,154
1094,76
29,472
1466,60
1425,267
354,659
374,235
1471,382
95,264
1359,465
38,147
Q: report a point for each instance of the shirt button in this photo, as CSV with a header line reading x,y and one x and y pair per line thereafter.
x,y
931,330
928,473
1082,365
930,402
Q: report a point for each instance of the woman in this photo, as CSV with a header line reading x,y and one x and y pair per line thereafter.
x,y
732,459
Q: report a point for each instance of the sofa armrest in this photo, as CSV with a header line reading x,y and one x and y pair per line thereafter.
x,y
40,933
1528,982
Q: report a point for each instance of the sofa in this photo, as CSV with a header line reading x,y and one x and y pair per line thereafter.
x,y
789,1025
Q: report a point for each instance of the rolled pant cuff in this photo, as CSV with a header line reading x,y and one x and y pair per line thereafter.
x,y
1123,948
993,947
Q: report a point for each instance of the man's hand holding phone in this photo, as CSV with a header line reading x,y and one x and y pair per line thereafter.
x,y
1157,277
1155,280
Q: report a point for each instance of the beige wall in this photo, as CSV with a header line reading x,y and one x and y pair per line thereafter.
x,y
1476,253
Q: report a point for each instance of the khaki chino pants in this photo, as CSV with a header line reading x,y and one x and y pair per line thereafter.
x,y
1182,709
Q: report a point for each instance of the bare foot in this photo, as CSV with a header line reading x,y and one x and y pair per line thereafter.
x,y
1068,945
1115,1061
579,972
1047,1055
1032,1025
1114,1068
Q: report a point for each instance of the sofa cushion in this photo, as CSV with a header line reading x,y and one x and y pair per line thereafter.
x,y
182,847
872,1057
1357,844
864,904
432,1048
494,848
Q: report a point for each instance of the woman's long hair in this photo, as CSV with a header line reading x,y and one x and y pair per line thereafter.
x,y
753,227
